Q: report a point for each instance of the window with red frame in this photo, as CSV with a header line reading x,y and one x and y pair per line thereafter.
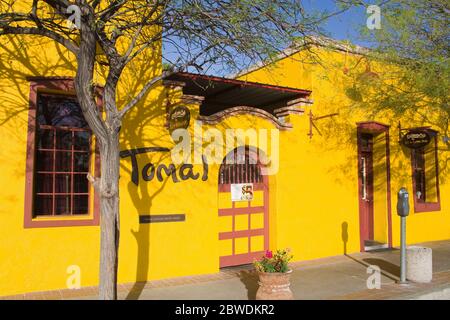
x,y
62,158
425,174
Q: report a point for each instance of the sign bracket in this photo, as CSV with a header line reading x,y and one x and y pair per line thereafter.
x,y
313,118
414,138
400,129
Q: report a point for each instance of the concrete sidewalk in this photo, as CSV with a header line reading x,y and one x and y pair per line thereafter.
x,y
340,277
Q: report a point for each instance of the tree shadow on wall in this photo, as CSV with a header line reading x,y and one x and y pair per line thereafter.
x,y
143,127
363,91
21,58
142,237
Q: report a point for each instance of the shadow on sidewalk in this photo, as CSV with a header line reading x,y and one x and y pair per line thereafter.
x,y
384,265
389,270
250,279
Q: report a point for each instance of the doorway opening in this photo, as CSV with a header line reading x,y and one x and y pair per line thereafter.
x,y
243,222
374,186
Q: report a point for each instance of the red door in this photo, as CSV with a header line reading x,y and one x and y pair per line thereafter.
x,y
366,188
243,225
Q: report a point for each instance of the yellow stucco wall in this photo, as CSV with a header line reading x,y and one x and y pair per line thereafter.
x,y
313,197
328,162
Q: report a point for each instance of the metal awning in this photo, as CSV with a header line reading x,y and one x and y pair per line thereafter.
x,y
222,93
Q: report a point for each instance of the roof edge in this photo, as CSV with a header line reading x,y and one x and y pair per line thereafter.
x,y
320,41
241,82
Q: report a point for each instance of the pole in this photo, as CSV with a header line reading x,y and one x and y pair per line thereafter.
x,y
403,250
403,211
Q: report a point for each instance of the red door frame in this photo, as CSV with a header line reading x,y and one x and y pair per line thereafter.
x,y
374,128
366,206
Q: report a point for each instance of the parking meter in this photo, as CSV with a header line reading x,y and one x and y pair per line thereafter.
x,y
403,211
403,203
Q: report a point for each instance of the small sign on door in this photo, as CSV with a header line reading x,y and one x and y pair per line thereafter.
x,y
242,192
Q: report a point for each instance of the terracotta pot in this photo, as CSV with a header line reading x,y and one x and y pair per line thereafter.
x,y
274,286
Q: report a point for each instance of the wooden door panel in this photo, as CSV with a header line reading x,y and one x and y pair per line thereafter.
x,y
243,225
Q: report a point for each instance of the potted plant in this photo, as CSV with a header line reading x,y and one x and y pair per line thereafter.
x,y
274,275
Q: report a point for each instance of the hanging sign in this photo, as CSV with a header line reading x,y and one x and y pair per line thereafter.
x,y
415,139
242,192
179,118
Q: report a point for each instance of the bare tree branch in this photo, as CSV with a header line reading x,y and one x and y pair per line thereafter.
x,y
59,5
42,32
195,34
143,91
108,12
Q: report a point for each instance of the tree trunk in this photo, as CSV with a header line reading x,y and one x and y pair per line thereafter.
x,y
107,134
109,222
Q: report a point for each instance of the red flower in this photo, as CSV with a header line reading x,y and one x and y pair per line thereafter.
x,y
269,254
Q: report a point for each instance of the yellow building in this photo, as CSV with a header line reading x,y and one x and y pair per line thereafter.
x,y
317,172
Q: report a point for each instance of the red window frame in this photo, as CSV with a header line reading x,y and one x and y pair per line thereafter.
x,y
56,86
420,206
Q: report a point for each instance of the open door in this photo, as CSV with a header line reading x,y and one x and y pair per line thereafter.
x,y
374,186
366,192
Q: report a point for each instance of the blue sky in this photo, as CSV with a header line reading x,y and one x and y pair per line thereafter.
x,y
345,26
